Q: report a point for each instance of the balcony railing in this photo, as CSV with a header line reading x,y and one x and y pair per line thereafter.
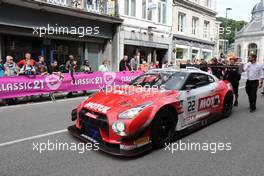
x,y
103,7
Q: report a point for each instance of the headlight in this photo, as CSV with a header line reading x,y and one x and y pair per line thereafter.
x,y
131,113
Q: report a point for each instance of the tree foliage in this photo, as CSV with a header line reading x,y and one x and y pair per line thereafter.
x,y
230,25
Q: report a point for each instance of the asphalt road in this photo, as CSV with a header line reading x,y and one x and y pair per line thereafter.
x,y
24,125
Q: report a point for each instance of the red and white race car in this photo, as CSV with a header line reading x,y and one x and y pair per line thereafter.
x,y
132,119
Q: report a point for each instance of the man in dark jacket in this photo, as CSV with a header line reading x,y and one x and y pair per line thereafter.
x,y
203,65
124,65
233,75
216,68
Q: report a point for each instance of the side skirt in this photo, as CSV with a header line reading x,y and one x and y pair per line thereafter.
x,y
197,126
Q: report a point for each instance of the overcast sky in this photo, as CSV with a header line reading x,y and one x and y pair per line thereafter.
x,y
241,8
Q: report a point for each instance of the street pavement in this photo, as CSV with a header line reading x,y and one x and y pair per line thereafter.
x,y
24,125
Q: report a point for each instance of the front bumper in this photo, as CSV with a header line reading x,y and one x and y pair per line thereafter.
x,y
113,149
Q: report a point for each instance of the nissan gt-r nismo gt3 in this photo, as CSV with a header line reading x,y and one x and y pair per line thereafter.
x,y
130,121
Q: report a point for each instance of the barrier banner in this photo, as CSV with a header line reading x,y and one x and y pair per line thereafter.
x,y
19,86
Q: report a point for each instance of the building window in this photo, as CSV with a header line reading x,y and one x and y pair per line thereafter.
x,y
164,12
206,55
60,3
159,12
93,6
150,9
239,51
181,22
144,9
195,25
195,53
133,8
182,53
150,15
126,9
206,29
208,3
130,7
160,8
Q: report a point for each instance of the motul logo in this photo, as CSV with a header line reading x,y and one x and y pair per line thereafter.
x,y
208,102
97,107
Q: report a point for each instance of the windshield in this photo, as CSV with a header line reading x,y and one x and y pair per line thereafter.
x,y
176,81
167,81
150,80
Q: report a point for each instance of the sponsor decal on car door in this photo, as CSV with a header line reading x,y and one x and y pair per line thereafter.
x,y
197,104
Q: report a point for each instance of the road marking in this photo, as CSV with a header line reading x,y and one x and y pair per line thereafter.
x,y
32,137
242,87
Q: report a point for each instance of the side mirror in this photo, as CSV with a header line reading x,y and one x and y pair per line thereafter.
x,y
189,87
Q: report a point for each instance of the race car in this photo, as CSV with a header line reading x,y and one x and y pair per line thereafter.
x,y
151,111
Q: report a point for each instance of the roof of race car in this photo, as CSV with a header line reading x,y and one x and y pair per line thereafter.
x,y
172,70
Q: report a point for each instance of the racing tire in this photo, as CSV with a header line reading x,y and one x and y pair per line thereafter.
x,y
163,128
227,105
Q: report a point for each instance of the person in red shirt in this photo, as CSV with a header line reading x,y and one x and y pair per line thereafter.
x,y
143,67
157,64
23,62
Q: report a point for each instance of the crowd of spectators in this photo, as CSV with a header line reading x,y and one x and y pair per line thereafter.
x,y
137,64
26,66
29,66
217,66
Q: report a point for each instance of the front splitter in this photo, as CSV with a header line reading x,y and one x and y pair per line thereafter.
x,y
112,149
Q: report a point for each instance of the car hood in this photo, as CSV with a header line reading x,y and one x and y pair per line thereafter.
x,y
129,97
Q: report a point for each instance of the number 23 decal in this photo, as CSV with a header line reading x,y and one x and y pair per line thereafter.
x,y
191,106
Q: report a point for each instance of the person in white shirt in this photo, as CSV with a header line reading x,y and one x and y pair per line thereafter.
x,y
104,66
165,64
254,81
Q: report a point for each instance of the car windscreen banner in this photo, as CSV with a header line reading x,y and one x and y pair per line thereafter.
x,y
19,86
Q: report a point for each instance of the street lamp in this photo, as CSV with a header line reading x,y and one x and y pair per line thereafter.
x,y
225,43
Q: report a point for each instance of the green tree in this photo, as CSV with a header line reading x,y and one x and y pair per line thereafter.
x,y
231,27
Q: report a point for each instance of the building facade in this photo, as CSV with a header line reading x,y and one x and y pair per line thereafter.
x,y
146,29
250,40
98,30
59,28
195,29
